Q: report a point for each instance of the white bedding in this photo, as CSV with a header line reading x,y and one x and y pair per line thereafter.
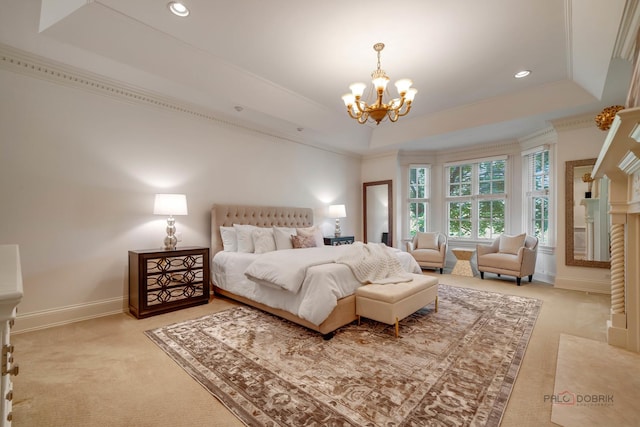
x,y
321,287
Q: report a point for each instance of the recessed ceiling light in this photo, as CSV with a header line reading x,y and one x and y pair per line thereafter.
x,y
178,9
521,74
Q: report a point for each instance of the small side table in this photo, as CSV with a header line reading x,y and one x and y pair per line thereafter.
x,y
337,241
463,264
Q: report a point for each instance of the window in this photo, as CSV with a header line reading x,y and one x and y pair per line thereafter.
x,y
476,199
418,200
537,196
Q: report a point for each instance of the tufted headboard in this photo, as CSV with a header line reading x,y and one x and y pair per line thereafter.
x,y
261,216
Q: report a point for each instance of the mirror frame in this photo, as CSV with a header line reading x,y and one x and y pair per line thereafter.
x,y
389,184
568,222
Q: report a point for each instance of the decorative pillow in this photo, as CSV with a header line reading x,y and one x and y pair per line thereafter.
x,y
428,241
312,232
282,237
299,242
263,240
511,244
245,241
229,239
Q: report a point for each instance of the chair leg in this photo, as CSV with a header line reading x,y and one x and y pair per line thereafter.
x,y
482,275
441,269
530,278
518,279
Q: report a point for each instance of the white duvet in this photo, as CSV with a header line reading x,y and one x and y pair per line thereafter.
x,y
310,290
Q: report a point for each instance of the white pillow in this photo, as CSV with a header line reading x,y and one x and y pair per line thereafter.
x,y
511,244
263,240
229,239
428,241
282,237
312,232
245,241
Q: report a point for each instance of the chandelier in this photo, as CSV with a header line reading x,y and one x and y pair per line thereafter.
x,y
378,110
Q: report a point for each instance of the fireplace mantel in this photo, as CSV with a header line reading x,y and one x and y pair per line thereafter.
x,y
619,160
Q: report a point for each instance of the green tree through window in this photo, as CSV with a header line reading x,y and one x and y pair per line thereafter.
x,y
476,199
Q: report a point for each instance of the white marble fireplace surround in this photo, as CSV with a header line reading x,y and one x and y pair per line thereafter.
x,y
619,160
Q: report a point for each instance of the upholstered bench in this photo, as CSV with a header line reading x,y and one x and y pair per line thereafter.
x,y
393,302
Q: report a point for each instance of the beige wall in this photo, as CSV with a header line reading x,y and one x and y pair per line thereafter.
x,y
78,174
382,167
578,139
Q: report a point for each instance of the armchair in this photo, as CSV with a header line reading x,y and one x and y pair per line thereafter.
x,y
429,250
510,255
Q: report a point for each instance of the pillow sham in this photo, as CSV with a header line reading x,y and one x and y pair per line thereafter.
x,y
511,244
229,239
428,241
263,240
312,232
300,242
245,241
282,236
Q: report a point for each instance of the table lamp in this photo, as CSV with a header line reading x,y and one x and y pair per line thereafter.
x,y
170,204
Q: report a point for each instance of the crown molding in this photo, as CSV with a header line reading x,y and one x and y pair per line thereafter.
x,y
541,137
380,155
576,122
27,64
508,147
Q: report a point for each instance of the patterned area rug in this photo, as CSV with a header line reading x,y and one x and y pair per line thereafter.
x,y
454,367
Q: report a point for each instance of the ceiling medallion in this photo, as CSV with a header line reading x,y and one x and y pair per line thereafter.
x,y
378,110
605,118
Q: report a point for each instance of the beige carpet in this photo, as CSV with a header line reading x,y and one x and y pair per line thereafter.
x,y
105,373
600,389
456,366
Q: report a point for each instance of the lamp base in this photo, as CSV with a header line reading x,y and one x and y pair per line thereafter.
x,y
171,240
338,231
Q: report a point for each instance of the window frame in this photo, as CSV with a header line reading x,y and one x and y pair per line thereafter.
x,y
475,197
426,200
528,180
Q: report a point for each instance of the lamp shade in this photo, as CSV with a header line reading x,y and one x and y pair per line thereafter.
x,y
337,211
170,204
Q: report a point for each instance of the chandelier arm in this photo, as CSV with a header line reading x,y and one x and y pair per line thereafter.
x,y
363,119
406,111
359,107
352,115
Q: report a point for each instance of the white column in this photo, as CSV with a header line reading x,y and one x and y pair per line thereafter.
x,y
617,325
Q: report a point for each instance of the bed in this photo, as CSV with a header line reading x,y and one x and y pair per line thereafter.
x,y
301,307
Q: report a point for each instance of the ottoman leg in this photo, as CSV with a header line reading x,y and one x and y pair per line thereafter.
x,y
397,328
436,303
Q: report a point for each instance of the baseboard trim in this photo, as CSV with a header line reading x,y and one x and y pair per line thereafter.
x,y
596,287
70,314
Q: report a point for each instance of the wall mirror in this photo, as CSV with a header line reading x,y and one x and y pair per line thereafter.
x,y
586,216
378,212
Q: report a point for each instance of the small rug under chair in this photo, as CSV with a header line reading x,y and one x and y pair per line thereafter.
x,y
456,366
